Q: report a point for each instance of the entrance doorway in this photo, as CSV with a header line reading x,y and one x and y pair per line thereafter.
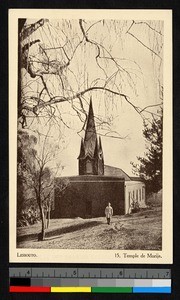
x,y
88,208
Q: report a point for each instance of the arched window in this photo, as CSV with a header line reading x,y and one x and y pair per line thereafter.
x,y
129,198
133,195
89,169
143,193
137,195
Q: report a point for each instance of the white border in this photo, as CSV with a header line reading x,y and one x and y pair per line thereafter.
x,y
92,256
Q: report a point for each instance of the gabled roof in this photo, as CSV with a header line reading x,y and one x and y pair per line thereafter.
x,y
113,171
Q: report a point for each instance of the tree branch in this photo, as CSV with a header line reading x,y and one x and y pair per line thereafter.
x,y
144,45
153,105
143,22
29,29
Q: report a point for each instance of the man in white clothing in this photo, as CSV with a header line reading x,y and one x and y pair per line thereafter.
x,y
109,213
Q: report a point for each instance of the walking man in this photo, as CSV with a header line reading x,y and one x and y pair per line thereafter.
x,y
109,213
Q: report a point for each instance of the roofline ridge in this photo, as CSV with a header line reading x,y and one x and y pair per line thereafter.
x,y
119,169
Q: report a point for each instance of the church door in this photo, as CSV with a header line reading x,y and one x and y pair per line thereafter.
x,y
89,208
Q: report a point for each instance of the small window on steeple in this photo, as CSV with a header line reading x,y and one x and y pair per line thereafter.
x,y
100,154
89,169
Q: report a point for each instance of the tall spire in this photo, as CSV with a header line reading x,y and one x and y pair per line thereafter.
x,y
91,161
90,134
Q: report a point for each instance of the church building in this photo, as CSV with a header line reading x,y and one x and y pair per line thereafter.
x,y
87,194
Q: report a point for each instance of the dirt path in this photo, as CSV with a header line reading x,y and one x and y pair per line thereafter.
x,y
139,231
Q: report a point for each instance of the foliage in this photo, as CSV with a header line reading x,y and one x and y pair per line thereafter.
x,y
35,184
150,166
33,179
25,192
29,216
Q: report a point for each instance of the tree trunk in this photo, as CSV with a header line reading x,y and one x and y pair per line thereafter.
x,y
20,25
45,219
48,216
41,235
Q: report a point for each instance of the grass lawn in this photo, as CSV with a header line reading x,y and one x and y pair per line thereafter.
x,y
139,231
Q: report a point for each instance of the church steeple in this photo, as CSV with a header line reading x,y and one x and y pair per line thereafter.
x,y
90,133
91,160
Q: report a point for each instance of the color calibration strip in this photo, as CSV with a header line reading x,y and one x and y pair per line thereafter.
x,y
41,285
89,280
161,290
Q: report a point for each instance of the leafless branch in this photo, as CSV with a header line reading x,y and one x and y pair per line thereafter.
x,y
147,24
144,45
153,105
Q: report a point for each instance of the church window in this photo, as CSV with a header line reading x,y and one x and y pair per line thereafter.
x,y
140,194
100,155
137,195
129,198
143,193
89,169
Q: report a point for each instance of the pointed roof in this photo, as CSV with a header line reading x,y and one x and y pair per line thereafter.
x,y
100,144
100,149
90,133
82,151
96,150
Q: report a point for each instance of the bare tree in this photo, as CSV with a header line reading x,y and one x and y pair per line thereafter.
x,y
41,169
66,61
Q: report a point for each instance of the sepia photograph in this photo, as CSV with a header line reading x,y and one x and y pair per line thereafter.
x,y
89,166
